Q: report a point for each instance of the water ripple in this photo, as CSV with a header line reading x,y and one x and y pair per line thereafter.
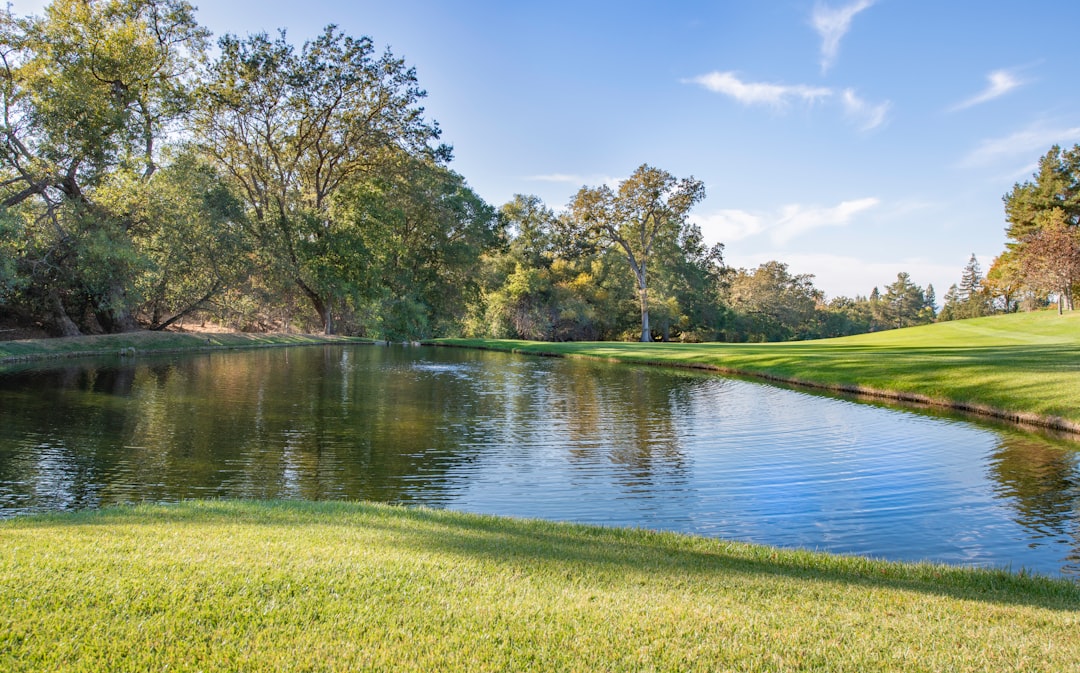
x,y
545,438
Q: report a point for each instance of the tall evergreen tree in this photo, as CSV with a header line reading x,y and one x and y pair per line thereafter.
x,y
1044,217
971,297
904,302
970,280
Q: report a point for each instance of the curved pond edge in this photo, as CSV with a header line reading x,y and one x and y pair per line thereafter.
x,y
1054,423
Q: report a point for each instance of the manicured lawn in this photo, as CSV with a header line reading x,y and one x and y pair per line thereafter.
x,y
1026,364
226,586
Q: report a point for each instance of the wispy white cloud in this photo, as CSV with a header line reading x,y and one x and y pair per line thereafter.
x,y
866,116
832,23
727,226
796,220
1035,140
783,225
1000,82
758,93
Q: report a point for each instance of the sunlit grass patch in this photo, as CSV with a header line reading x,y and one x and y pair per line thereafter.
x,y
334,586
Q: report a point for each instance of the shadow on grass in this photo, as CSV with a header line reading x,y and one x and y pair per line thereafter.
x,y
584,553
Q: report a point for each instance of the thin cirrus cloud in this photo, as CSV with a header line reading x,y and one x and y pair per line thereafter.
x,y
1000,82
783,225
865,115
832,23
1034,140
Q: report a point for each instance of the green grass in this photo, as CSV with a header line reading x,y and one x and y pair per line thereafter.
x,y
1022,366
134,343
228,586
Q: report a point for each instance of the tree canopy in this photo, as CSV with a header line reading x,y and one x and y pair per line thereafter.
x,y
89,93
1043,217
291,129
648,210
145,182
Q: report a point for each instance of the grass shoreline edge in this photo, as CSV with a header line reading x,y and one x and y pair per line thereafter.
x,y
134,344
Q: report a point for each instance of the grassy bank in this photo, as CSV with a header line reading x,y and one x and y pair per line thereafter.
x,y
334,586
1023,366
134,343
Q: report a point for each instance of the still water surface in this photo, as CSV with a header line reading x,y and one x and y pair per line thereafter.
x,y
537,437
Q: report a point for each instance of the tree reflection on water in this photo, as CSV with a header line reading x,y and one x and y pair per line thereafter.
x,y
537,437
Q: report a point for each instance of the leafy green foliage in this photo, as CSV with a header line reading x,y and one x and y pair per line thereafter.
x,y
904,304
771,304
88,91
291,130
418,235
648,210
198,248
1044,221
971,298
547,282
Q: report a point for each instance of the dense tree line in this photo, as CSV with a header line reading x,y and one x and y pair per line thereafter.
x,y
1041,261
144,183
565,277
1042,257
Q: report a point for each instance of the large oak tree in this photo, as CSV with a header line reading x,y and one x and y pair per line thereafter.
x,y
648,209
88,92
291,128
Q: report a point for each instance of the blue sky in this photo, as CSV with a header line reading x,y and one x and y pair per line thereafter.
x,y
851,139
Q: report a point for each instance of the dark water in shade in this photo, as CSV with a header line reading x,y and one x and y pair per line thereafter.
x,y
538,437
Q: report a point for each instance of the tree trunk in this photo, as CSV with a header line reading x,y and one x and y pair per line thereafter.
x,y
158,325
321,306
64,324
328,321
646,333
113,312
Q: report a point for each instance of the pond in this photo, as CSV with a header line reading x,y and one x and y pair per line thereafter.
x,y
539,437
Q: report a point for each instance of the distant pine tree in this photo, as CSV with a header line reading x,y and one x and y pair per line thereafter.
x,y
971,281
971,297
